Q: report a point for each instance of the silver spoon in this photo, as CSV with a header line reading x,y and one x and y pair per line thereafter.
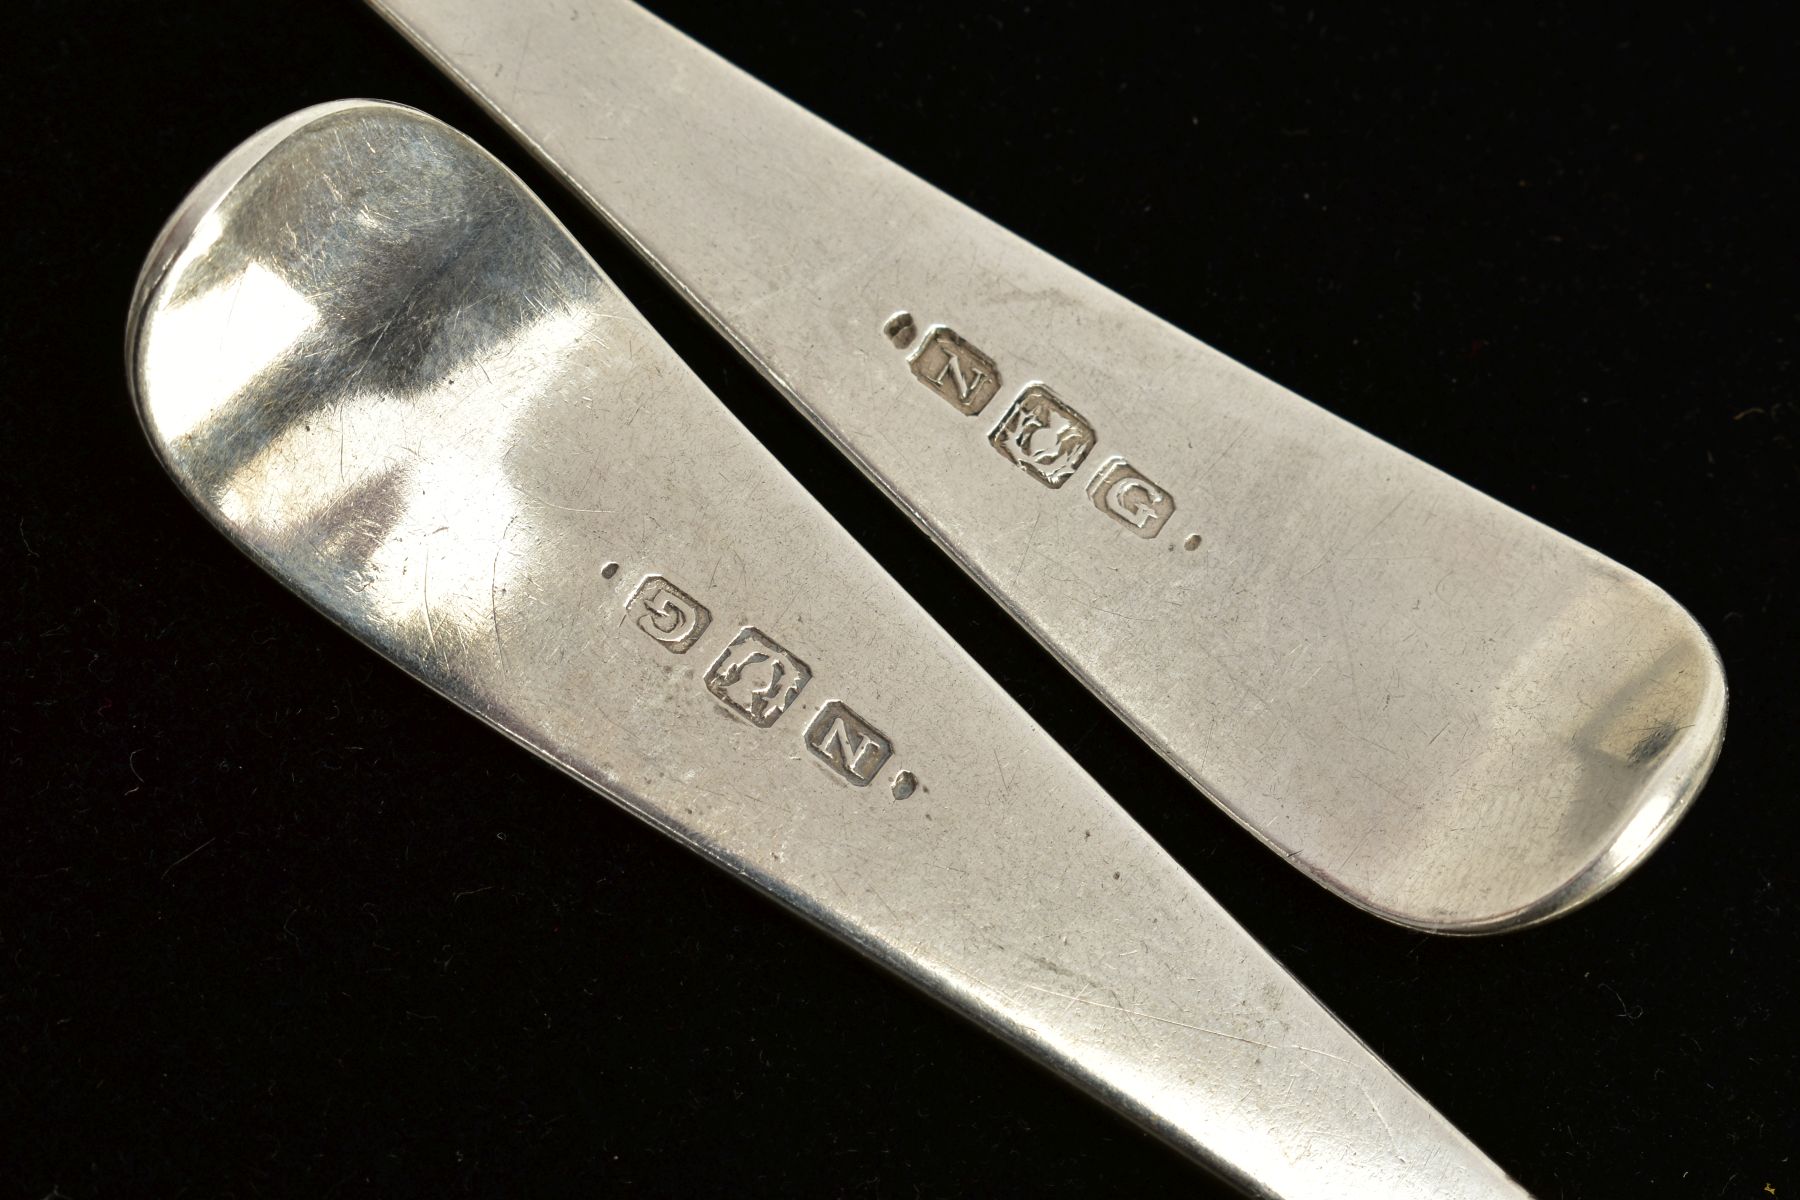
x,y
380,366
1445,712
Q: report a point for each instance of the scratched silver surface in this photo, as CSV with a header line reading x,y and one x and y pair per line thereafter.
x,y
375,361
1444,711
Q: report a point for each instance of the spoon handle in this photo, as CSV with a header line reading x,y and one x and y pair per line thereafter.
x,y
1438,708
381,367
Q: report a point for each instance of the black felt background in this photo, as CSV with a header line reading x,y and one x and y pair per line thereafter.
x,y
273,920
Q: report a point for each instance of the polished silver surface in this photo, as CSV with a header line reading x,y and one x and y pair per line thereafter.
x,y
1447,713
384,371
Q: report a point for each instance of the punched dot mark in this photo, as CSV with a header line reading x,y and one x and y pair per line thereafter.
x,y
609,570
1192,543
905,783
900,330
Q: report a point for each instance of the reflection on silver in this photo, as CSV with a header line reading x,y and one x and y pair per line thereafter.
x,y
385,372
1408,690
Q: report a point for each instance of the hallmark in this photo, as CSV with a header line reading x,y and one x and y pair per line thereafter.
x,y
955,370
756,678
1042,436
759,679
846,743
1128,497
671,617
